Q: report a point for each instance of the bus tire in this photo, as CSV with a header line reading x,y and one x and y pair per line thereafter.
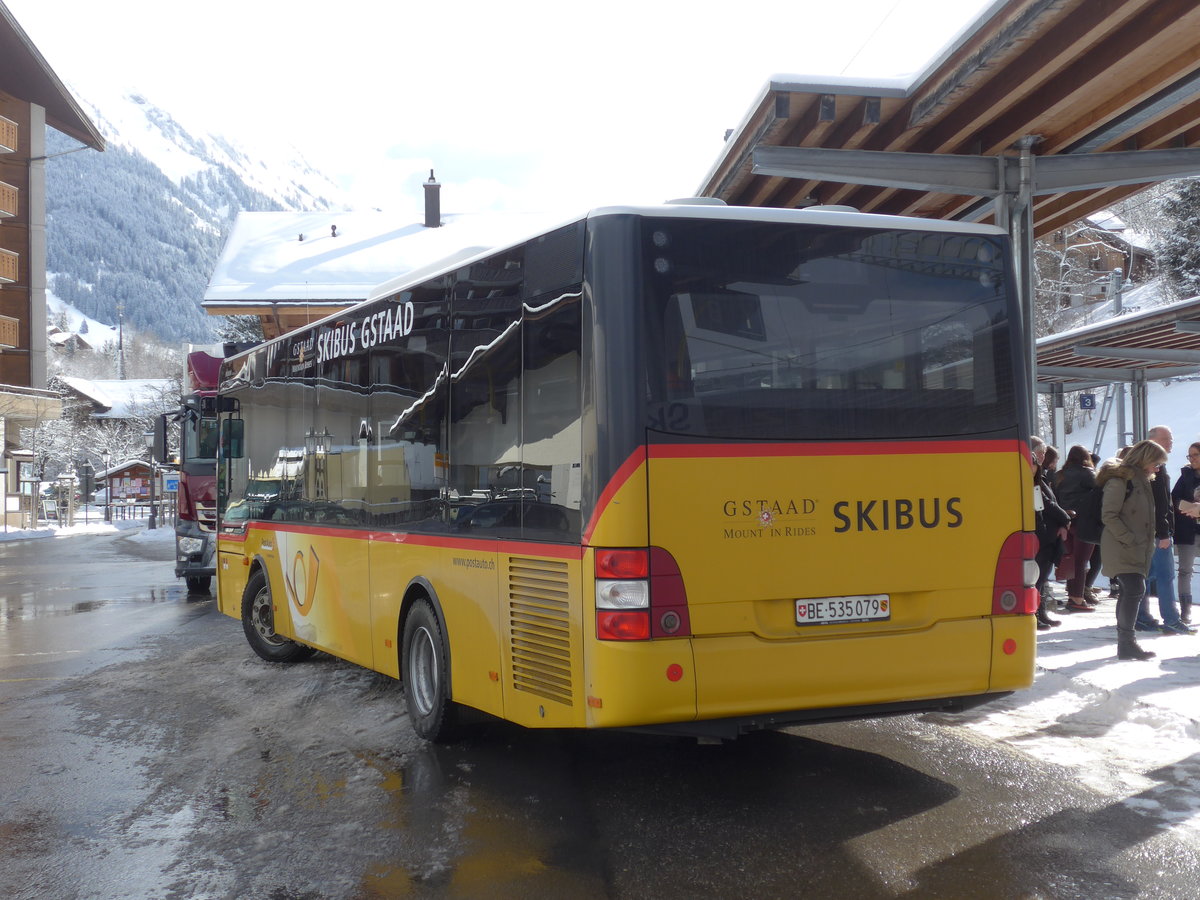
x,y
258,622
425,664
198,584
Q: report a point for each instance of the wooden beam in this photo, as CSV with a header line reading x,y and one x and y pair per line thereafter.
x,y
1116,58
1044,59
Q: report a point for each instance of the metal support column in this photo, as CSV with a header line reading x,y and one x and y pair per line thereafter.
x,y
1021,229
1058,419
1140,398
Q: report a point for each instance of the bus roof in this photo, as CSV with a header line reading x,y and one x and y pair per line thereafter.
x,y
686,208
702,208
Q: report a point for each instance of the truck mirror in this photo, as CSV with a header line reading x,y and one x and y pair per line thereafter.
x,y
159,450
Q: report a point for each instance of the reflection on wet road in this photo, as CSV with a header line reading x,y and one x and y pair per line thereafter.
x,y
148,753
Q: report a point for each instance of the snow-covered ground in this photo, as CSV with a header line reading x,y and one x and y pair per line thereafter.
x,y
1130,730
94,524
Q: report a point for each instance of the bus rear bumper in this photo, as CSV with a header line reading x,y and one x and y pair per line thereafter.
x,y
734,727
744,682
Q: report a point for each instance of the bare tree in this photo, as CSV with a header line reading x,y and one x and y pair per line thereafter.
x,y
1072,270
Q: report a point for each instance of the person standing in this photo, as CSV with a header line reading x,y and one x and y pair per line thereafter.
x,y
1127,544
1051,522
1093,572
1162,565
1075,481
1184,497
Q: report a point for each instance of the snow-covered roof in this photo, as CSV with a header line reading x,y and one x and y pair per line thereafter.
x,y
264,259
124,399
1110,221
121,466
63,338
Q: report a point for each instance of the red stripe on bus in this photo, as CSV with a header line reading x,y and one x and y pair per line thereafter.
x,y
515,548
876,448
753,451
623,474
661,451
528,548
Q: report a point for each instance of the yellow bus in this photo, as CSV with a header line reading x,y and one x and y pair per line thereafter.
x,y
689,468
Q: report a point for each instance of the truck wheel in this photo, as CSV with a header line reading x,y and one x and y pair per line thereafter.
x,y
425,665
258,622
198,584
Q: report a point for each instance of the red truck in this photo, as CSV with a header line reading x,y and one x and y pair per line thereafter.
x,y
196,502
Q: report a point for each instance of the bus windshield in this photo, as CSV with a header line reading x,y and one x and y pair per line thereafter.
x,y
800,332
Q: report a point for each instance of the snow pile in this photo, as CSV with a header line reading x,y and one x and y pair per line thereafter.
x,y
94,524
1129,730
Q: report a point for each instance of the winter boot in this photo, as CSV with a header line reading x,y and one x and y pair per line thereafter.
x,y
1044,621
1127,648
1127,645
1185,609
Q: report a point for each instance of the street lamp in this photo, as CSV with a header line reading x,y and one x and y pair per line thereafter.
x,y
153,524
108,480
4,509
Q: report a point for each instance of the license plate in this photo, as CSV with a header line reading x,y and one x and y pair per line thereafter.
x,y
829,610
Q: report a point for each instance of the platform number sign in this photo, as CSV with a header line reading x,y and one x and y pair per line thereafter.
x,y
1087,401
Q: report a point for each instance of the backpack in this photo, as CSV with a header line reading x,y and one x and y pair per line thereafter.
x,y
1088,524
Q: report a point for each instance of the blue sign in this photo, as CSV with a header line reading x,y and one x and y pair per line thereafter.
x,y
1087,401
171,483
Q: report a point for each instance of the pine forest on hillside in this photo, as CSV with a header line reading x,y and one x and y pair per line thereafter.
x,y
120,231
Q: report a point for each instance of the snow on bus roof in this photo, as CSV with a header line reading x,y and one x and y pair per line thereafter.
x,y
262,240
266,260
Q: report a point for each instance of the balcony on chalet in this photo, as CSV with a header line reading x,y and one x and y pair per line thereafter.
x,y
8,135
10,332
9,268
8,200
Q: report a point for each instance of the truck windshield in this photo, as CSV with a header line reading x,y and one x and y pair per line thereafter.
x,y
200,440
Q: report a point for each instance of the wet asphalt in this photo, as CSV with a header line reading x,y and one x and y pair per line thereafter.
x,y
146,752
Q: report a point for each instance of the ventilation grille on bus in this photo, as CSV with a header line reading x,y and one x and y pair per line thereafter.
x,y
539,622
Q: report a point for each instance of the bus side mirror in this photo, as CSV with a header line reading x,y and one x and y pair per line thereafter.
x,y
231,438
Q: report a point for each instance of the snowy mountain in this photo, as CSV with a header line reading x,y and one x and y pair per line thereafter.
x,y
142,223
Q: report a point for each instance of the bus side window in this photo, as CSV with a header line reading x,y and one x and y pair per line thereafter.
x,y
406,478
551,407
485,387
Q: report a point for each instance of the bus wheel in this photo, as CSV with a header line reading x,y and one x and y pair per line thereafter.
x,y
425,665
198,584
258,622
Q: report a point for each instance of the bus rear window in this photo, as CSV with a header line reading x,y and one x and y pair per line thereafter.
x,y
813,333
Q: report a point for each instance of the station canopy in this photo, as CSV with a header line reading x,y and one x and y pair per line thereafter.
x,y
1151,345
1076,77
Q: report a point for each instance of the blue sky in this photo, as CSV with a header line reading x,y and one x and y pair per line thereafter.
x,y
537,104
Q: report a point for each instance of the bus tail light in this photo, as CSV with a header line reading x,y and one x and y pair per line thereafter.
x,y
640,595
1015,589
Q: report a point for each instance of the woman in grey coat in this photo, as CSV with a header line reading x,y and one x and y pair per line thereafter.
x,y
1127,543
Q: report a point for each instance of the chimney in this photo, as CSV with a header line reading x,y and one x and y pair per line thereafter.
x,y
433,202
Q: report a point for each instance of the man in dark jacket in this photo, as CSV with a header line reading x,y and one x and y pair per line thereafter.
x,y
1162,566
1184,495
